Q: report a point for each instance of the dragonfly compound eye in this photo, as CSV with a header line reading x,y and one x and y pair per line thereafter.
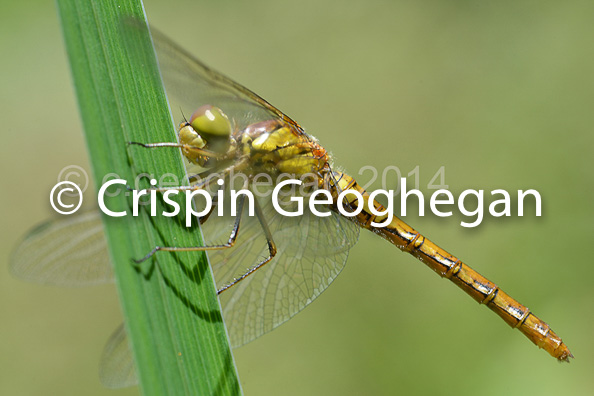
x,y
210,122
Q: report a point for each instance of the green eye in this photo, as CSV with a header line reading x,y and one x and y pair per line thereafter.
x,y
210,121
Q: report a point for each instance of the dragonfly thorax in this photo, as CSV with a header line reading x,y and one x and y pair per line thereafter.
x,y
275,147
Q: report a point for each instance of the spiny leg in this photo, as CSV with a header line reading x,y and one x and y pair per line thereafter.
x,y
223,174
200,151
271,249
230,243
195,178
215,203
206,153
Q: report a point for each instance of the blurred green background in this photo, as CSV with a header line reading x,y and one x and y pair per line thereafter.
x,y
500,93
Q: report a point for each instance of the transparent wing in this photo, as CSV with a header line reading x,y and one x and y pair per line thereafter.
x,y
71,251
311,252
116,369
190,84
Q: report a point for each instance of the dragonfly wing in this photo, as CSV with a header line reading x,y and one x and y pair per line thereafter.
x,y
190,84
311,252
116,369
68,252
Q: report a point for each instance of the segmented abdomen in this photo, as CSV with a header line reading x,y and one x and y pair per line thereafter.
x,y
448,266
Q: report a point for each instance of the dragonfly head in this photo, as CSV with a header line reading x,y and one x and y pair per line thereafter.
x,y
209,129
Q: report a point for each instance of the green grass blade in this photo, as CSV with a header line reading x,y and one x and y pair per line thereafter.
x,y
171,311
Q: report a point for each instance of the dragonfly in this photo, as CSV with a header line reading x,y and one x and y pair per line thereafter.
x,y
290,260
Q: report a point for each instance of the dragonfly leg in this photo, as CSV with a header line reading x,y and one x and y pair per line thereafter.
x,y
210,177
215,202
195,178
198,186
230,242
271,250
194,149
